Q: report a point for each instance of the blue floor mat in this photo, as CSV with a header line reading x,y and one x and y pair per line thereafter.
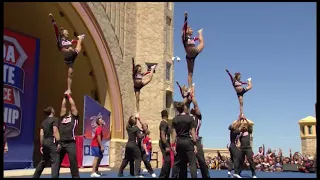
x,y
213,174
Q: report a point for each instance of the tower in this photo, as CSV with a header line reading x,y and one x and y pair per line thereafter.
x,y
308,135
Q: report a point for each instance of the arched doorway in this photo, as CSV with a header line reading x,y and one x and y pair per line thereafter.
x,y
97,61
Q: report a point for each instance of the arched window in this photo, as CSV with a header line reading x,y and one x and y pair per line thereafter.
x,y
310,130
302,130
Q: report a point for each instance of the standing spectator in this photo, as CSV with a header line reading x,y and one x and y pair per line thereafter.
x,y
147,145
97,148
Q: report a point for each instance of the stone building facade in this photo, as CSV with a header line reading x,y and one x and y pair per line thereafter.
x,y
115,33
145,31
308,135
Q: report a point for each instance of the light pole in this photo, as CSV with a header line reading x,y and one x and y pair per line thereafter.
x,y
176,57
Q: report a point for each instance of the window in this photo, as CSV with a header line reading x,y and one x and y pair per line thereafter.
x,y
168,100
168,34
310,130
302,130
168,71
149,67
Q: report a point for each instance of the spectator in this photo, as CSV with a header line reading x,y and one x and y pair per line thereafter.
x,y
269,161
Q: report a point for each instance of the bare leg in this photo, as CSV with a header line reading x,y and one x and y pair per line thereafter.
x,y
79,42
98,164
192,90
69,81
148,79
249,85
190,64
201,41
137,99
94,164
241,105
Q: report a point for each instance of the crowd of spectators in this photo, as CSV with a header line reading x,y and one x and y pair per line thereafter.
x,y
270,161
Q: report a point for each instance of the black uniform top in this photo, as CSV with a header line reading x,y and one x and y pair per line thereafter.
x,y
183,124
164,126
198,121
47,126
234,133
67,127
140,140
245,138
134,134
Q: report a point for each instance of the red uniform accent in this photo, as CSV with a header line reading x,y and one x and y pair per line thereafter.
x,y
99,131
148,72
147,142
73,41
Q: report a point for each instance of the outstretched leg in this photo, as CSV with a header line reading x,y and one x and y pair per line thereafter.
x,y
201,41
79,43
249,85
148,79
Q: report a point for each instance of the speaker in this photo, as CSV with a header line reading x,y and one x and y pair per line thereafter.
x,y
290,168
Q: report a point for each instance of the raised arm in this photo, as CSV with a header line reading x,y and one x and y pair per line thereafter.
x,y
290,154
55,27
143,124
63,110
139,133
74,109
230,75
280,153
133,67
196,106
181,92
193,134
184,28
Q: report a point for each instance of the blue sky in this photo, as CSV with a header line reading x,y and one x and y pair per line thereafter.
x,y
275,45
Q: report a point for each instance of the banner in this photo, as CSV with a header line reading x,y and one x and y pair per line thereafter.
x,y
92,111
20,85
